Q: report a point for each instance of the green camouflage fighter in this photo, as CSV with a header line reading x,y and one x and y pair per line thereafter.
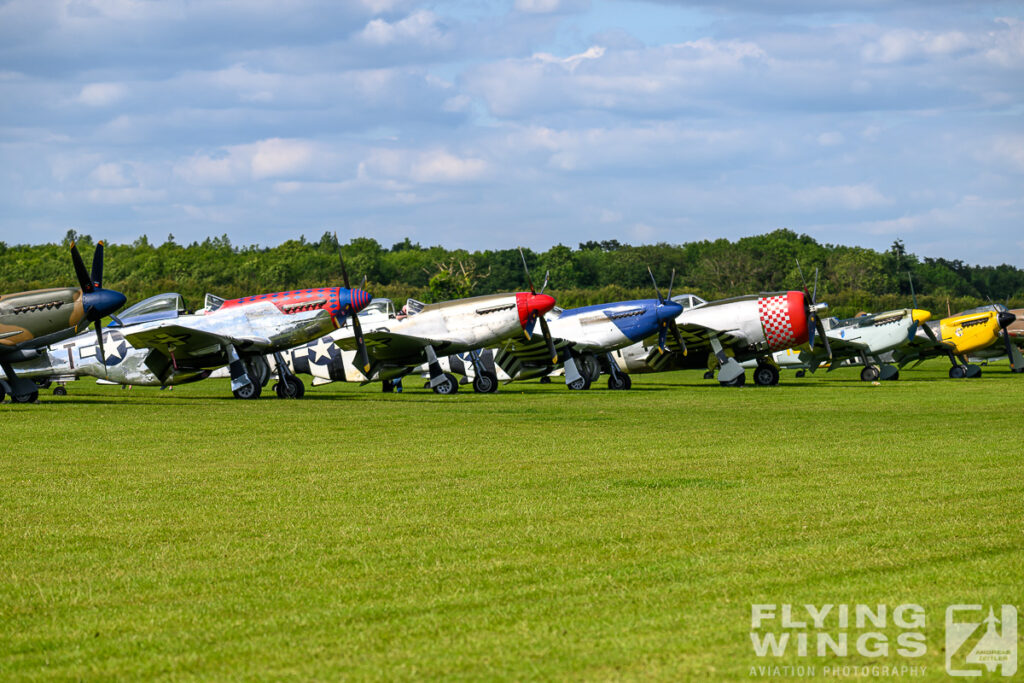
x,y
30,321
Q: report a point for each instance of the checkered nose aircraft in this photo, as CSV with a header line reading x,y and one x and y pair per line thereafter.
x,y
723,334
240,332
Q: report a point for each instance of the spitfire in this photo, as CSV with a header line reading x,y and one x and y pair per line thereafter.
x,y
29,321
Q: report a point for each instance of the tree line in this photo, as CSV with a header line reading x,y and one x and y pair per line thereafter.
x,y
850,279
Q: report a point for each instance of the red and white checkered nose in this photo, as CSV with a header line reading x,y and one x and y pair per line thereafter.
x,y
784,320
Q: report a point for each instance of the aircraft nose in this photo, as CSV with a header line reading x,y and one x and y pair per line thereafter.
x,y
539,304
920,316
359,299
1006,318
100,303
670,310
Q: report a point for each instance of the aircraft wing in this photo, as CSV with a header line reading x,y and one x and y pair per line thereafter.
x,y
918,349
181,341
391,346
696,337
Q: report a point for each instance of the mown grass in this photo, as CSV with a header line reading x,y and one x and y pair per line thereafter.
x,y
536,533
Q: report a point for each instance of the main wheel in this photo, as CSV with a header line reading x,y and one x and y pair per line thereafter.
x,y
250,391
582,384
617,382
291,388
957,372
545,380
449,386
589,367
60,391
738,382
3,394
766,375
387,386
710,374
485,383
870,373
895,376
25,398
972,371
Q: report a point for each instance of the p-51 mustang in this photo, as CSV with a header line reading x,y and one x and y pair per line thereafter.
x,y
584,338
30,321
723,334
396,345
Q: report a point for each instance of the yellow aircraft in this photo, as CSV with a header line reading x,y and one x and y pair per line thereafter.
x,y
968,333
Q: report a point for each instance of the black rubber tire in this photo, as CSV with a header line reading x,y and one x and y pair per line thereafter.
x,y
60,391
249,392
974,376
387,386
485,383
545,380
869,373
449,387
895,377
800,373
295,388
629,382
617,382
710,374
738,382
957,372
589,367
766,375
25,398
582,384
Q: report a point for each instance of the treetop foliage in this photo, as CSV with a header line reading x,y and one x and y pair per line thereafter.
x,y
850,278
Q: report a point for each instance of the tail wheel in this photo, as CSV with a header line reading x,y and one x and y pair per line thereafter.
x,y
581,384
800,373
766,375
957,372
250,391
60,391
485,383
870,373
449,386
291,388
710,374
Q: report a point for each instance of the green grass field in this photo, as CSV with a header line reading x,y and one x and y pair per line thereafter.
x,y
533,534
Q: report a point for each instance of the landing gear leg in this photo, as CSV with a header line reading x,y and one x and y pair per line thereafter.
x,y
730,373
288,385
242,386
484,382
617,379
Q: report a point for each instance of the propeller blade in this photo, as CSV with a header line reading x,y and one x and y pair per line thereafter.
x,y
677,335
545,285
83,276
363,285
97,265
99,342
663,338
529,280
929,332
912,332
362,353
546,331
671,282
913,295
814,326
802,278
824,337
814,294
661,299
341,259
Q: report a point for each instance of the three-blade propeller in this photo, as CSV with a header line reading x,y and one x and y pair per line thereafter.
x,y
544,329
812,312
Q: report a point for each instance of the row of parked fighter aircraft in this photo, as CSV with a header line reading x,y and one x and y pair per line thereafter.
x,y
341,334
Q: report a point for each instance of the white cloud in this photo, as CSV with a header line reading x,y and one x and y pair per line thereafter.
x,y
266,159
101,94
420,27
831,139
852,197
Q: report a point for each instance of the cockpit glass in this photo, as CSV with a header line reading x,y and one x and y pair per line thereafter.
x,y
161,303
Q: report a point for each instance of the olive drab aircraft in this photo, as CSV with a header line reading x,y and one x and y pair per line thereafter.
x,y
423,333
585,337
723,334
238,333
30,321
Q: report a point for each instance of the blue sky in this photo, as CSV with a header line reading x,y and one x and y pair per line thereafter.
x,y
491,124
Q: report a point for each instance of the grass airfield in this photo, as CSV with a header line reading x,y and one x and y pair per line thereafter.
x,y
533,534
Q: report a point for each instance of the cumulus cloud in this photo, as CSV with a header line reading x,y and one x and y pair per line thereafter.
x,y
101,94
